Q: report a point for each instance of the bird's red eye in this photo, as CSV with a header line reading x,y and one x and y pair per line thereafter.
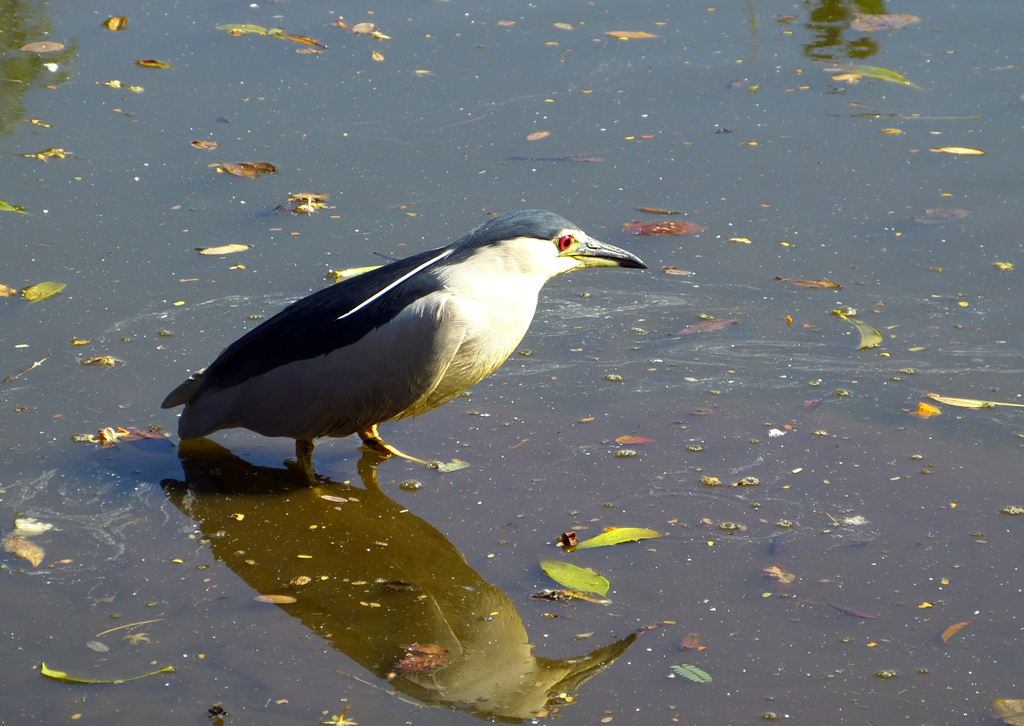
x,y
565,242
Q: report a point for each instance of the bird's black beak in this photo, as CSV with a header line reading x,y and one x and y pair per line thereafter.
x,y
590,252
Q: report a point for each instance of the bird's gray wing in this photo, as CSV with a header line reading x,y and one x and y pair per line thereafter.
x,y
376,378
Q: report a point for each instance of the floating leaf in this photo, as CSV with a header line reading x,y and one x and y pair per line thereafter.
x,y
813,284
43,46
970,402
102,360
242,29
618,535
953,630
369,29
575,577
442,466
941,216
776,573
422,658
705,326
23,548
652,228
633,440
46,154
6,291
42,290
673,270
65,678
629,34
960,150
882,74
691,642
691,672
1011,710
5,207
924,410
869,337
338,275
556,595
247,169
276,599
869,23
223,249
301,39
118,22
304,203
655,210
152,64
1003,266
848,611
538,135
205,145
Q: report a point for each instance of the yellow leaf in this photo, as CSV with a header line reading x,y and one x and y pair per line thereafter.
x,y
924,410
1003,266
42,290
959,150
377,55
118,22
276,599
629,34
152,64
970,402
953,630
223,249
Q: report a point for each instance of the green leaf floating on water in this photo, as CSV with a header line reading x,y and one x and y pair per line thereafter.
x,y
5,207
65,678
243,28
869,337
617,536
882,74
692,672
575,577
42,290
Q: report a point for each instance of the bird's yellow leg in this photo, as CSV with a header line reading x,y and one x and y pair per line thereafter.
x,y
373,442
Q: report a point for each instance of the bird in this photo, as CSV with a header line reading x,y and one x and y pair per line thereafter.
x,y
396,341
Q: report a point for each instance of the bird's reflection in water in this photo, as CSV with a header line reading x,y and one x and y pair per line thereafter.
x,y
379,579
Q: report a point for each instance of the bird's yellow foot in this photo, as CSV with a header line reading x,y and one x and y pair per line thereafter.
x,y
373,442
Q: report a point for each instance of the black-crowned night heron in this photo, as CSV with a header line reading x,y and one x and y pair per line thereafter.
x,y
397,341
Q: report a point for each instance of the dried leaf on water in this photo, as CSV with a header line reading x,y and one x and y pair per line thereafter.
x,y
664,227
812,284
42,290
205,145
65,678
153,64
556,595
47,154
1003,266
633,439
422,658
691,672
655,210
102,360
691,642
43,46
953,630
776,573
276,599
673,270
247,169
959,150
304,203
1011,710
618,535
447,466
970,402
243,28
869,337
882,74
538,135
575,578
705,326
848,611
567,540
869,23
24,548
301,39
941,216
223,249
924,410
118,22
629,34
5,207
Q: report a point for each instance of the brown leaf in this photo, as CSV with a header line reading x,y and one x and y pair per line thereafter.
x,y
705,326
813,284
23,548
205,145
422,658
6,291
655,210
118,22
941,216
691,642
631,439
629,34
652,228
1011,710
868,23
302,39
276,599
247,169
673,270
43,46
954,629
538,135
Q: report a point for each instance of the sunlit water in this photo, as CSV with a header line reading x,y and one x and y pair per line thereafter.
x,y
728,117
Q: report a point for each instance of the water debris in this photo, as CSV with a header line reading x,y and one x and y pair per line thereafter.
x,y
941,216
558,595
21,547
247,169
422,658
42,46
953,630
970,402
19,375
223,249
618,535
118,22
706,326
65,678
204,145
812,284
848,611
47,154
691,672
102,360
869,23
153,64
882,74
959,150
662,228
924,410
537,135
869,337
629,34
305,203
655,210
276,599
691,642
5,207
